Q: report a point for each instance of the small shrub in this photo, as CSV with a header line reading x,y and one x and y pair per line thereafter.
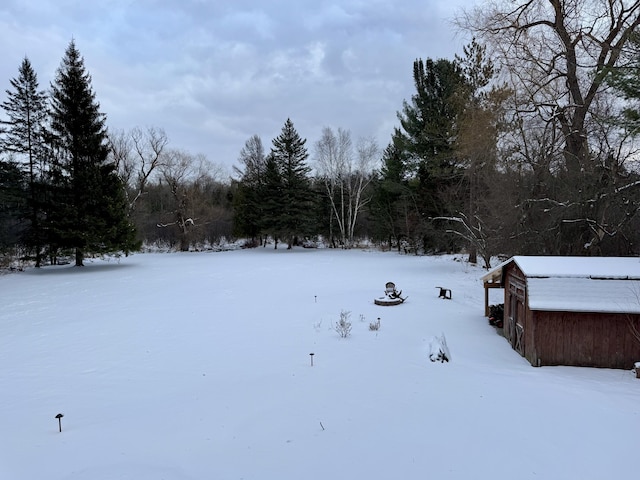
x,y
343,326
375,326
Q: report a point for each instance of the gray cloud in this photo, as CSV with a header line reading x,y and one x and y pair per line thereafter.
x,y
213,73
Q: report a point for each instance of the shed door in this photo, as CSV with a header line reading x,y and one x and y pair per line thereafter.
x,y
516,319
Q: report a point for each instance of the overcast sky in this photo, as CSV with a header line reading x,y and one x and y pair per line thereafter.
x,y
212,73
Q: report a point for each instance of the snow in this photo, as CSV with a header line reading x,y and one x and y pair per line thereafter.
x,y
578,284
594,267
197,366
584,295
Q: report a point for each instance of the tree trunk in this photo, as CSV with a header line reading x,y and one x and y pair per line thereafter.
x,y
79,257
473,254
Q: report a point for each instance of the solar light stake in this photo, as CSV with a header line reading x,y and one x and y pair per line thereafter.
x,y
311,355
59,417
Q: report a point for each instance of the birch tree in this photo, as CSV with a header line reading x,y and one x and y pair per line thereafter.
x,y
345,175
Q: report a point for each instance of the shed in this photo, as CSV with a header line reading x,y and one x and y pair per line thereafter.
x,y
580,311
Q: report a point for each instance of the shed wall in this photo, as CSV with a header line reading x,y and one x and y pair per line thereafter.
x,y
584,340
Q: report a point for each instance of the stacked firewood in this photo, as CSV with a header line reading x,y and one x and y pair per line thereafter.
x,y
496,315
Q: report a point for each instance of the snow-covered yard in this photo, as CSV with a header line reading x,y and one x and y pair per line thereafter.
x,y
198,366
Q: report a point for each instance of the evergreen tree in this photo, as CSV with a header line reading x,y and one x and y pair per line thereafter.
x,y
429,122
247,203
23,136
290,154
393,204
430,127
90,212
271,193
13,196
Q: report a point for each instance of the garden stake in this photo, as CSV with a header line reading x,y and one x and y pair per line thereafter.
x,y
59,417
311,355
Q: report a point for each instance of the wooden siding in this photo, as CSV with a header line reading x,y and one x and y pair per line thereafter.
x,y
583,340
514,307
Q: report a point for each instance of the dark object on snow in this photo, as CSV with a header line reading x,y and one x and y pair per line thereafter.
x,y
391,296
496,315
444,293
59,417
439,351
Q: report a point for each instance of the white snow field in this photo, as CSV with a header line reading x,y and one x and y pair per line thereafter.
x,y
197,366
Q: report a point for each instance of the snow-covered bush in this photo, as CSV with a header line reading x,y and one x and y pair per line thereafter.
x,y
343,326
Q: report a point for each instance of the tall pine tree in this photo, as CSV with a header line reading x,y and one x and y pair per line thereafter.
x,y
90,210
290,155
23,136
271,193
430,127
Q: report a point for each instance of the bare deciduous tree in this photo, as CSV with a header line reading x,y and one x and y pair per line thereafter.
x,y
248,198
557,53
252,157
137,155
182,171
556,56
345,177
121,151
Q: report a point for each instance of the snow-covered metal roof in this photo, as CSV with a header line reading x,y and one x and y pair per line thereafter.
x,y
576,294
579,284
587,267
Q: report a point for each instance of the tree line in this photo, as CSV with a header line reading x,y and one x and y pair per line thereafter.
x,y
525,143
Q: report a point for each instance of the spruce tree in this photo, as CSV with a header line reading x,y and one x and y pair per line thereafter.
x,y
24,137
290,154
271,193
90,211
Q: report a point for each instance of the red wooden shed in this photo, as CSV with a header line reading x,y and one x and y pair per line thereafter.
x,y
581,311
